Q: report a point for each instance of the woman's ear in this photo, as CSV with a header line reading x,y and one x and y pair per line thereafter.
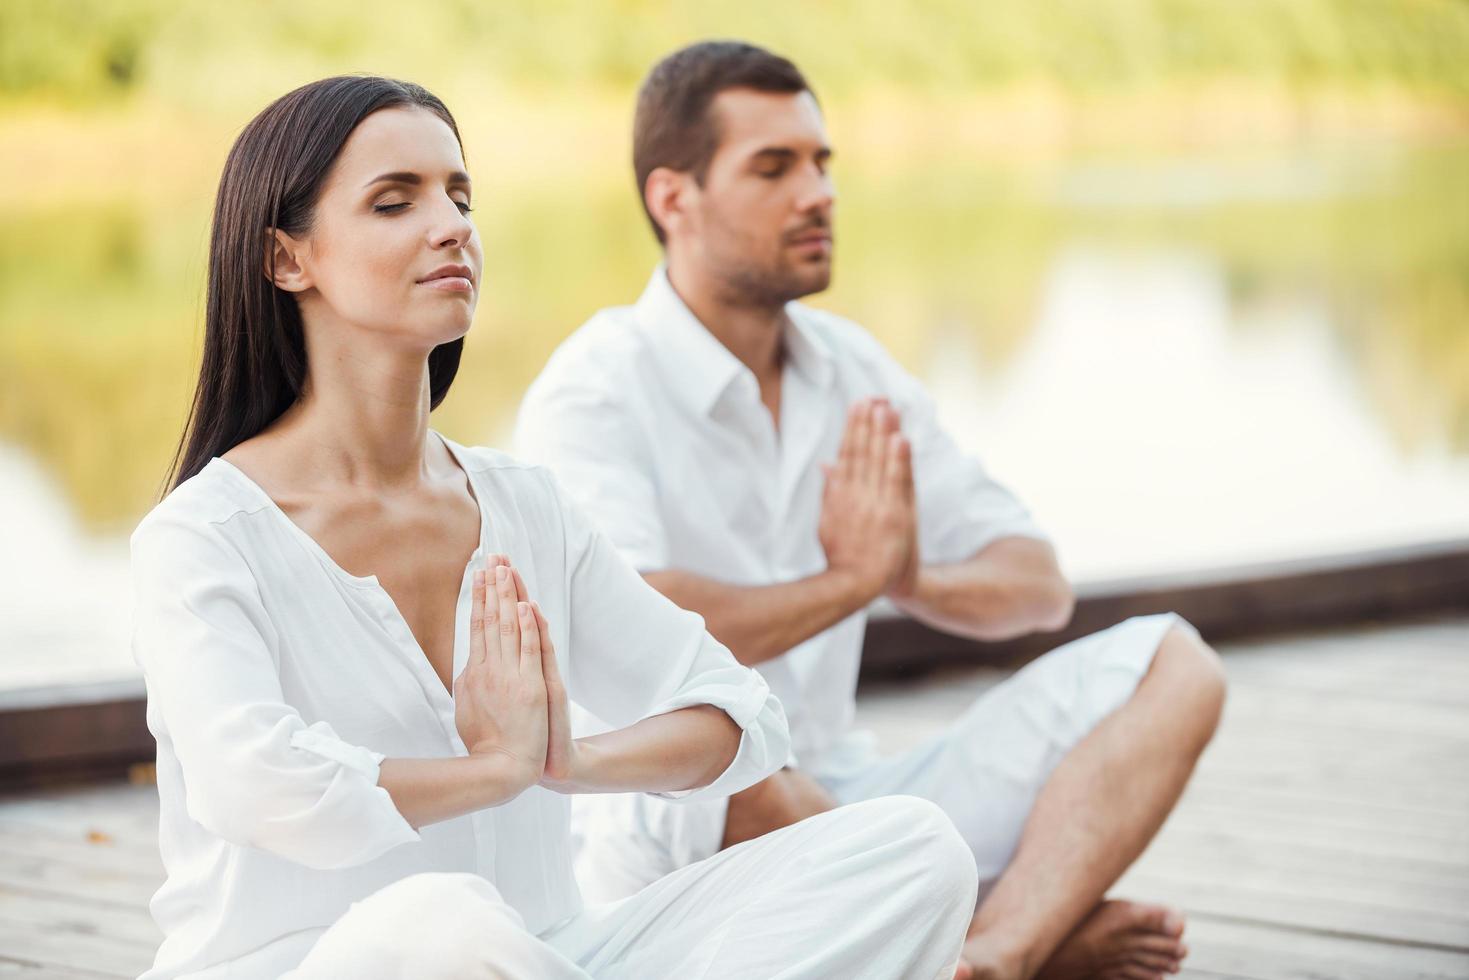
x,y
283,261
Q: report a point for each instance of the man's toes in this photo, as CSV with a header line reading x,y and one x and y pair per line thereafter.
x,y
1155,961
1165,945
1141,973
1159,919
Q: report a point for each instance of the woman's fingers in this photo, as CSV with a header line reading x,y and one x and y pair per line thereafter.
x,y
530,642
548,649
477,618
558,714
521,594
508,620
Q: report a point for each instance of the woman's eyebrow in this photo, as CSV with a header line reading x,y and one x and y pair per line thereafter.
x,y
409,177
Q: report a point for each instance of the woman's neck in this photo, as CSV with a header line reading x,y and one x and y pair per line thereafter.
x,y
362,417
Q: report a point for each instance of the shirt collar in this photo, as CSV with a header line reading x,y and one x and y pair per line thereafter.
x,y
696,365
808,352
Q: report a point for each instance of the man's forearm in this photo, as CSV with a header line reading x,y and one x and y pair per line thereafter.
x,y
759,622
1011,588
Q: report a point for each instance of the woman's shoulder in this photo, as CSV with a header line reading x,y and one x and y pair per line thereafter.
x,y
510,471
200,505
530,489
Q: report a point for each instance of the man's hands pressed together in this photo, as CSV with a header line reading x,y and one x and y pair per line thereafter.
x,y
869,520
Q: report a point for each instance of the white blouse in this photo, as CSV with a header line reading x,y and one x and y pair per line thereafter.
x,y
277,682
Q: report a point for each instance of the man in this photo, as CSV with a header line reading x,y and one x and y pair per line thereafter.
x,y
770,467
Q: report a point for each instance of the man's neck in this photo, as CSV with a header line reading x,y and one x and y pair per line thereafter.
x,y
750,331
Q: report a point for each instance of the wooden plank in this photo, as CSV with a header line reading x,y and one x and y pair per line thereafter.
x,y
1321,592
1382,816
83,852
1224,948
1267,899
1387,840
1316,872
39,743
62,915
48,948
95,885
22,969
1227,846
125,814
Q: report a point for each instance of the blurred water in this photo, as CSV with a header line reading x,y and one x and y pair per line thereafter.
x,y
1178,364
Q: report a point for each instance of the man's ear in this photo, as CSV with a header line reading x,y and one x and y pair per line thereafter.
x,y
284,257
670,196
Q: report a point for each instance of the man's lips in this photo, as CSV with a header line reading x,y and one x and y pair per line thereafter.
x,y
813,240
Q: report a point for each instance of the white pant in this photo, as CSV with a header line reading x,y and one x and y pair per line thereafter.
x,y
985,771
883,889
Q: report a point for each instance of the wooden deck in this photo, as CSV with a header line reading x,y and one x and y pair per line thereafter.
x,y
1326,834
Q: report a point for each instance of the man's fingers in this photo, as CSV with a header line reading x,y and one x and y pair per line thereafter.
x,y
862,442
891,422
847,452
898,470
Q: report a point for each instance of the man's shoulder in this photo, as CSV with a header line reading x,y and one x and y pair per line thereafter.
x,y
604,353
611,335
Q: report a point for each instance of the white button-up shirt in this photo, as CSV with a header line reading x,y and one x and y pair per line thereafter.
x,y
660,433
277,682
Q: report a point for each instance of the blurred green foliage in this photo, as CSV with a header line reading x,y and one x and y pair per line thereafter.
x,y
952,209
84,50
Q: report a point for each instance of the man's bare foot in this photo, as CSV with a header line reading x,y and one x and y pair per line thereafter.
x,y
1118,941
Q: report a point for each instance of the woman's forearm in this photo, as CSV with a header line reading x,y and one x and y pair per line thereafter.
x,y
683,749
427,791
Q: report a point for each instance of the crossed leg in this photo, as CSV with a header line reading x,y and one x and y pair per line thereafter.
x,y
1100,807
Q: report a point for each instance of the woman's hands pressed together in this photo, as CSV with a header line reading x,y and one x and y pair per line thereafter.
x,y
510,699
511,711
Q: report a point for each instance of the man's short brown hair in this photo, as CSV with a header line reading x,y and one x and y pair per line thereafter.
x,y
673,127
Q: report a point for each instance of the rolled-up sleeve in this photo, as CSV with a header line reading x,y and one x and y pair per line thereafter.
x,y
255,772
634,654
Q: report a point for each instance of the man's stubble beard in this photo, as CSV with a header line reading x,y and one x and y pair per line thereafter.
x,y
747,283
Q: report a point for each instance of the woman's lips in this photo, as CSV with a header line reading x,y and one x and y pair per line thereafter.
x,y
451,284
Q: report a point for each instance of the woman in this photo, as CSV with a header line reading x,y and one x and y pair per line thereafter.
x,y
359,638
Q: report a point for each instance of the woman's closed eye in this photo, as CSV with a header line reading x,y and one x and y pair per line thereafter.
x,y
463,207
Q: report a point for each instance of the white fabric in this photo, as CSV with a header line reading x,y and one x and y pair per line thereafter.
x,y
985,771
659,432
277,682
879,890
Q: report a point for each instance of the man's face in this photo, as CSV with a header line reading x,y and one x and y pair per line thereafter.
x,y
762,220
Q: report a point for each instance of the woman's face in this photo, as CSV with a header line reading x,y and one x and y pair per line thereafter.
x,y
392,249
